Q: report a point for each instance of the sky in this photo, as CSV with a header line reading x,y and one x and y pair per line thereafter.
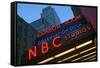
x,y
32,12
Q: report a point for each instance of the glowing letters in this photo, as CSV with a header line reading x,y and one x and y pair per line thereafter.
x,y
44,48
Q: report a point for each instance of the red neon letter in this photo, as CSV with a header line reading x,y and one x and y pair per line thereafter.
x,y
84,29
44,47
32,53
54,40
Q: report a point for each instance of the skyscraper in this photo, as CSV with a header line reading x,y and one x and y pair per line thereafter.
x,y
50,15
48,19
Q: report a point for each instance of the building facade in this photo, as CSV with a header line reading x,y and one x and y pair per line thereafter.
x,y
48,19
25,36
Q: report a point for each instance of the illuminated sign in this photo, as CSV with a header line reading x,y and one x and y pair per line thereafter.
x,y
60,37
54,28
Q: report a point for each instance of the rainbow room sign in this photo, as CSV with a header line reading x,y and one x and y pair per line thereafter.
x,y
59,36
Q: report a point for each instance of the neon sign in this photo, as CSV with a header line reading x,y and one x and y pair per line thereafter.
x,y
57,39
45,45
54,28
